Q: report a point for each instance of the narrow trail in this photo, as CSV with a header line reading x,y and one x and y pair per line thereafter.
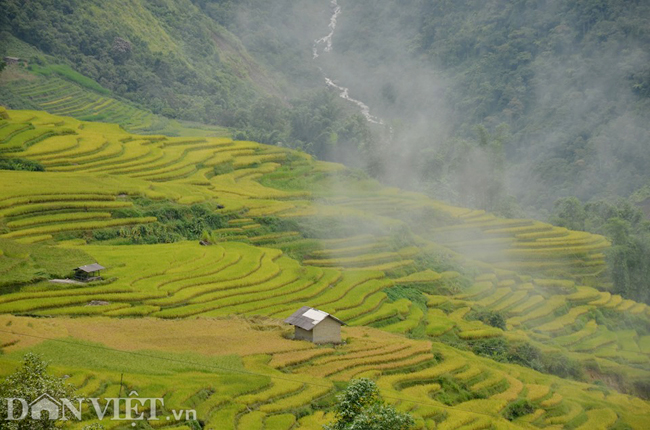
x,y
344,92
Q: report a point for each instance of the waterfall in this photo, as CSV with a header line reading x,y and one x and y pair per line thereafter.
x,y
344,93
327,40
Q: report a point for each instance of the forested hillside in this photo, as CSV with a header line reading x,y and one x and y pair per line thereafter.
x,y
562,86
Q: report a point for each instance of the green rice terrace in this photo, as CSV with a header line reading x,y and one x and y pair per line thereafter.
x,y
458,315
60,90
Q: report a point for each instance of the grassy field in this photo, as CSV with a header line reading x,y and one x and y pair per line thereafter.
x,y
414,279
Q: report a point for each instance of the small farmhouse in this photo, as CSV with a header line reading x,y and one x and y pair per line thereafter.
x,y
315,326
89,272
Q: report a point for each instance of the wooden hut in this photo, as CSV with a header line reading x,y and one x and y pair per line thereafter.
x,y
89,272
315,325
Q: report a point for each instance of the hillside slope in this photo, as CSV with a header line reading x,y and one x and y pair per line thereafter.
x,y
166,55
289,231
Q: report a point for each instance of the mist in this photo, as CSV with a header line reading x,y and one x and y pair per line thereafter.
x,y
553,85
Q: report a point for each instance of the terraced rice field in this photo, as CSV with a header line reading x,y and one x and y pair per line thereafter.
x,y
62,97
242,383
404,271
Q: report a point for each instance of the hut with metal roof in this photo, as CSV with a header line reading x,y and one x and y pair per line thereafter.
x,y
315,325
89,272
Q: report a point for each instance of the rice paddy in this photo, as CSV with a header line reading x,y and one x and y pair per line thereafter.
x,y
406,273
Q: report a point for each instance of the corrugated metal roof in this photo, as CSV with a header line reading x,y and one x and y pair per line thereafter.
x,y
91,268
307,318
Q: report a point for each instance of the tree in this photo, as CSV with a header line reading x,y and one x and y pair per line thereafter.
x,y
361,407
29,382
568,212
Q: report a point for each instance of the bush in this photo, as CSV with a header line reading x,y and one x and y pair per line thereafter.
x,y
518,409
360,407
489,317
20,164
175,222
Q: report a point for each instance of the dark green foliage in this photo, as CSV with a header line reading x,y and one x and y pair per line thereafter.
x,y
20,164
525,354
29,382
175,222
315,122
407,292
624,224
489,317
65,71
360,407
616,321
518,409
118,59
274,224
452,393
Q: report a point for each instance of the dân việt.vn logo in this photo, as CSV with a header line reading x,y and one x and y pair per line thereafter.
x,y
130,408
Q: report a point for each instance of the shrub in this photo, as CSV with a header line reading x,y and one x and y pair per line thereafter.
x,y
518,409
489,317
361,407
20,164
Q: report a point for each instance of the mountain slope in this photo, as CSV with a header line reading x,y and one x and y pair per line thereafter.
x,y
290,231
166,55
